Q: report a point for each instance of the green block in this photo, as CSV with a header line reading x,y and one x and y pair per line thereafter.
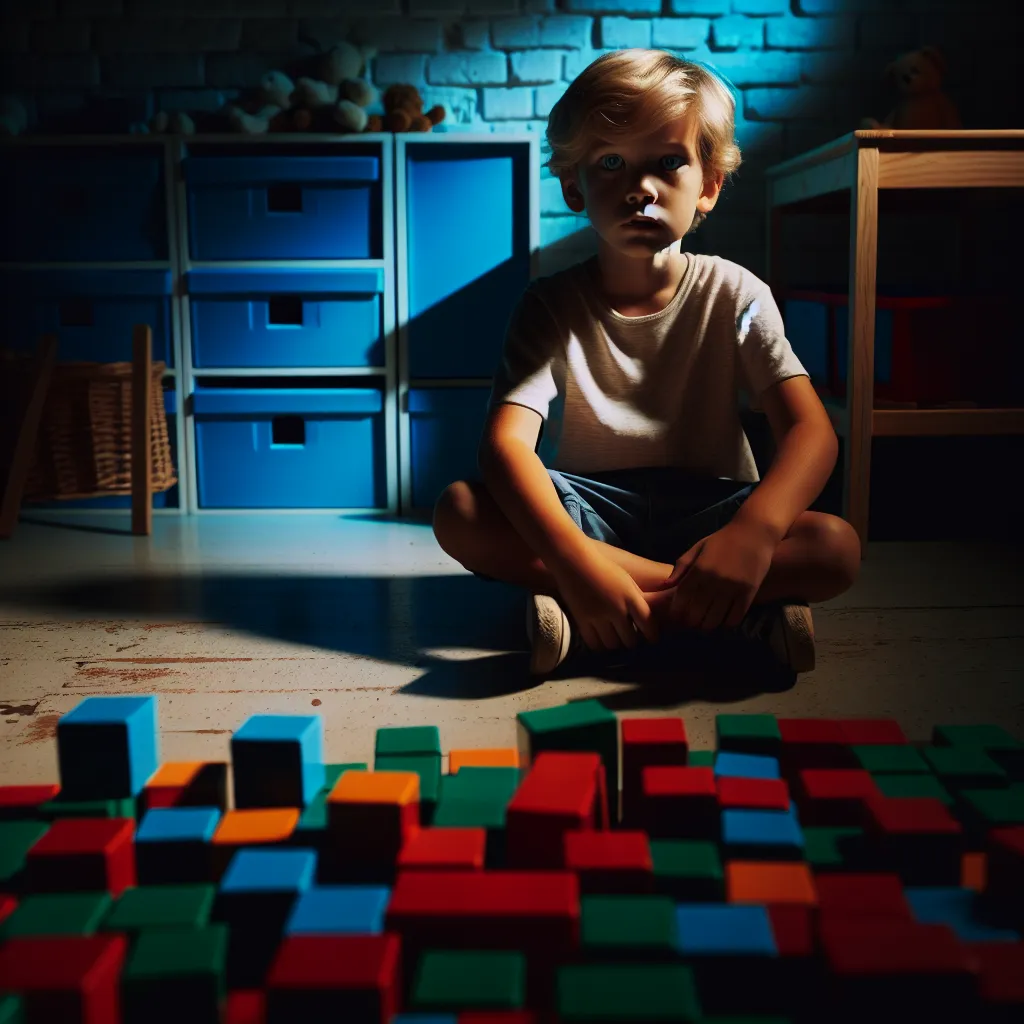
x,y
12,1010
641,924
988,737
700,759
996,806
427,766
892,758
333,772
59,808
469,814
16,839
748,734
829,847
73,913
688,869
912,785
965,766
481,784
470,979
411,739
161,906
628,993
585,725
314,815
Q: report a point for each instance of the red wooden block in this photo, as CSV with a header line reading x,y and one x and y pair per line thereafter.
x,y
924,815
341,976
917,837
793,927
680,803
872,946
812,743
1000,967
498,1017
67,979
646,742
84,853
862,894
17,800
834,796
762,794
245,1006
445,848
610,862
865,731
7,905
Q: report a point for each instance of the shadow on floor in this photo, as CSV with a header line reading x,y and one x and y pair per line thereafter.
x,y
465,635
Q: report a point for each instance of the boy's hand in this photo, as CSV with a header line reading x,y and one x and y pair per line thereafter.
x,y
719,576
606,605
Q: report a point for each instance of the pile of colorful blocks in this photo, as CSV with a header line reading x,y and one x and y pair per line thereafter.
x,y
805,870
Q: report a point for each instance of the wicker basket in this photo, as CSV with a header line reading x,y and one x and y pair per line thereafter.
x,y
85,437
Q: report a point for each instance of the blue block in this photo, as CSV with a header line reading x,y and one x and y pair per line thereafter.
x,y
763,829
425,1018
258,871
278,760
724,930
746,766
340,910
955,907
107,748
178,824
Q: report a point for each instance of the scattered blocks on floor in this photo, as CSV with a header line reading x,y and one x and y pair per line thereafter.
x,y
610,862
470,979
688,870
485,757
627,993
762,835
237,829
680,803
73,913
173,845
16,839
20,802
339,910
647,742
619,927
83,853
152,907
439,849
187,784
746,766
277,761
748,734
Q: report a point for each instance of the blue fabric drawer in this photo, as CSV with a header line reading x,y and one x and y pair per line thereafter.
x,y
807,330
445,426
92,312
286,318
68,204
284,207
290,447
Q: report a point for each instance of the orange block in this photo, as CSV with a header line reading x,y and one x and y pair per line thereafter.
x,y
244,828
770,882
175,773
357,787
491,757
973,869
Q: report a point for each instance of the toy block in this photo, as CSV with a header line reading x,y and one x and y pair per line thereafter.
x,y
1002,891
834,796
964,767
680,803
832,849
812,743
688,870
339,910
561,792
973,871
333,772
753,794
245,1006
19,802
491,757
862,894
498,1017
892,758
747,766
767,883
151,907
700,759
334,977
394,741
61,807
176,975
748,734
65,978
647,742
793,928
478,798
1004,749
762,835
481,784
628,927
956,908
633,993
904,786
916,837
172,844
12,1010
311,830
610,862
107,747
8,904
427,767
440,849
187,784
859,732
585,725
16,839
77,913
470,979
984,809
428,1018
277,761
83,853
1000,972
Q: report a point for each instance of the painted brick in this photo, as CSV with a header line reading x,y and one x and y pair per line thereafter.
x,y
325,32
567,30
61,36
492,6
460,104
262,34
390,35
809,33
700,7
551,198
760,6
577,61
468,69
239,70
63,71
436,8
15,36
535,66
615,6
153,70
216,8
679,33
532,127
390,68
546,97
473,35
759,139
737,30
30,10
186,36
515,33
816,7
501,104
764,69
539,6
801,103
332,8
91,8
206,100
622,33
554,229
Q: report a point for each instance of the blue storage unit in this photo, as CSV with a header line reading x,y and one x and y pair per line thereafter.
x,y
445,425
74,204
807,329
286,318
468,251
92,312
245,207
290,447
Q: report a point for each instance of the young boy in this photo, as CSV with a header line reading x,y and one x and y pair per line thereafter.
x,y
641,509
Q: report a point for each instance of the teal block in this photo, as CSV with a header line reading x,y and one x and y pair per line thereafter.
x,y
278,761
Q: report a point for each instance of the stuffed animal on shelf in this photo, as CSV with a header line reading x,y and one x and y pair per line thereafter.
x,y
337,94
403,112
13,116
922,103
163,123
270,110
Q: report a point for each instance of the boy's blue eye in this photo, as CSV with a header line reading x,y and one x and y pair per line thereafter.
x,y
666,162
609,156
674,156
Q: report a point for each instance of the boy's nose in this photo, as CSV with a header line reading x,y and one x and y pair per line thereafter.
x,y
644,192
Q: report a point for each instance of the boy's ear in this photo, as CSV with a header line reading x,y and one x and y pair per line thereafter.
x,y
572,195
710,192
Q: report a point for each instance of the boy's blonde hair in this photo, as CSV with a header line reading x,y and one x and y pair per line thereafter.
x,y
636,91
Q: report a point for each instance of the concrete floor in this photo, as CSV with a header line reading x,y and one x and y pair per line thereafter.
x,y
369,624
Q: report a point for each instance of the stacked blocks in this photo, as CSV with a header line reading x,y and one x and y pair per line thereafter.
x,y
802,871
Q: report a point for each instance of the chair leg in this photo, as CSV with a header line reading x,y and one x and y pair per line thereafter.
x,y
142,453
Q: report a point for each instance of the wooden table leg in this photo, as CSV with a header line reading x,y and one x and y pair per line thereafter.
x,y
860,368
142,452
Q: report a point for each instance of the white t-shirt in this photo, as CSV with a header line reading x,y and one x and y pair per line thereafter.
x,y
620,392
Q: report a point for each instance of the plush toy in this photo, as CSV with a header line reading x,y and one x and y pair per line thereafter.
x,y
270,110
403,112
922,103
162,123
13,116
336,93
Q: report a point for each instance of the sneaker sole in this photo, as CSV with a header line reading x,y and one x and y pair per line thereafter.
x,y
798,635
547,629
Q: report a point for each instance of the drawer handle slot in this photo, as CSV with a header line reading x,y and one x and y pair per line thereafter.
x,y
285,311
288,431
284,199
76,313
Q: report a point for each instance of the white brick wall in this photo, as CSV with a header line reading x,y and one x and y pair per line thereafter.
x,y
515,33
535,66
140,71
737,30
468,69
183,35
679,33
622,33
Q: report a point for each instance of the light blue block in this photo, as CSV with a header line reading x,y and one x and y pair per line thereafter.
x,y
107,747
339,910
746,766
278,760
255,870
704,929
955,907
741,827
178,824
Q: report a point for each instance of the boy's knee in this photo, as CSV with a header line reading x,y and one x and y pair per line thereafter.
x,y
841,546
453,510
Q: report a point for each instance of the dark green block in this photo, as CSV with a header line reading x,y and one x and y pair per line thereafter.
x,y
1003,748
427,766
481,784
634,993
454,813
965,766
59,808
894,758
333,772
73,913
912,786
642,925
314,816
700,759
470,979
161,906
689,870
12,1010
833,848
748,734
994,807
412,739
16,839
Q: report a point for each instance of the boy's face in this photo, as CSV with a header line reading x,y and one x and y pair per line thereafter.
x,y
656,177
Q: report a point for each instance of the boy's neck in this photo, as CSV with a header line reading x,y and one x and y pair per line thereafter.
x,y
633,282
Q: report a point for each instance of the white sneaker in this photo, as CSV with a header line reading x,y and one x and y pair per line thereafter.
x,y
548,633
787,629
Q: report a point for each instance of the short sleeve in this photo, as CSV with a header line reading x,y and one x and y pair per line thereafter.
x,y
765,354
525,375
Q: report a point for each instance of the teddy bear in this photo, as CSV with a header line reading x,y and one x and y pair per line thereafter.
x,y
403,112
336,94
270,110
922,103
